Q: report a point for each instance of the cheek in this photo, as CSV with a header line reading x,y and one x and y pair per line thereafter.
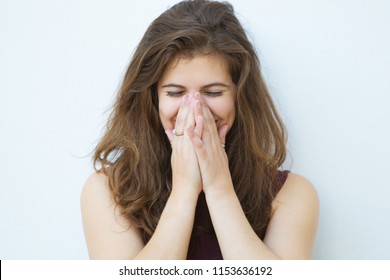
x,y
222,108
168,109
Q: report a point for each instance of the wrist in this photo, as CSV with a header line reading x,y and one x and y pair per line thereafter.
x,y
221,190
187,184
185,193
180,207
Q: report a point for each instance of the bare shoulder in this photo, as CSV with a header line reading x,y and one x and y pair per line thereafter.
x,y
96,187
293,225
96,196
97,177
296,188
109,235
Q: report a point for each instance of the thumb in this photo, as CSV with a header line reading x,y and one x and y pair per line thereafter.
x,y
222,132
169,133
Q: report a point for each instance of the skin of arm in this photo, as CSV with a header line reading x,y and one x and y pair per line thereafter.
x,y
292,228
290,233
110,236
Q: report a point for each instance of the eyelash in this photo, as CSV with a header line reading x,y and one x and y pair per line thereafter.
x,y
174,93
179,93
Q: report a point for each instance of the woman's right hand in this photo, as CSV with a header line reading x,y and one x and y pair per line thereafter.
x,y
185,168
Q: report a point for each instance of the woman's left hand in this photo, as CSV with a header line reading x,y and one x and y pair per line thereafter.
x,y
209,141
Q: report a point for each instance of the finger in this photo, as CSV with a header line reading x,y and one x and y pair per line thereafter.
x,y
199,121
209,122
170,135
196,141
199,126
222,132
205,107
182,115
191,114
208,116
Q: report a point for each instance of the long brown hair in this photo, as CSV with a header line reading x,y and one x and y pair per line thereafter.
x,y
135,153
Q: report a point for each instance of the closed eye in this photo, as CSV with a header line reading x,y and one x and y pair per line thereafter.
x,y
180,93
213,93
175,93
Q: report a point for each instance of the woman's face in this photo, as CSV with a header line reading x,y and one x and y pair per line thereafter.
x,y
207,74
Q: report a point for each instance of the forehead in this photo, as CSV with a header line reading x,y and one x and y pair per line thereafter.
x,y
198,69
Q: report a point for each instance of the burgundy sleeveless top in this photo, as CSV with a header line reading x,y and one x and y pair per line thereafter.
x,y
204,244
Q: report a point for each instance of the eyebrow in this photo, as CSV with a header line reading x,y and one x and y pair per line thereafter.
x,y
205,86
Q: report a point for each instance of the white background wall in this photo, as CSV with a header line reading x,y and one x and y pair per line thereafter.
x,y
327,64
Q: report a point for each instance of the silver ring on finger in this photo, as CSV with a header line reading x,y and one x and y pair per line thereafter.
x,y
177,133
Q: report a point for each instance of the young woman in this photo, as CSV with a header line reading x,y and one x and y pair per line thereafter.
x,y
188,165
